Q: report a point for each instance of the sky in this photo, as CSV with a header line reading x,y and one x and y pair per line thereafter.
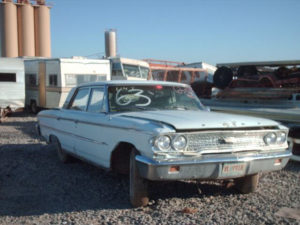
x,y
215,31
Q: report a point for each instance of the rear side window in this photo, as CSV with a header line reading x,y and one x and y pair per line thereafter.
x,y
80,100
96,100
8,77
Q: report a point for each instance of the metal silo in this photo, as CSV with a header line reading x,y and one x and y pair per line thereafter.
x,y
10,28
1,30
26,29
110,43
42,29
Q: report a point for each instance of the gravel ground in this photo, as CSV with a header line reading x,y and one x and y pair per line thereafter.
x,y
35,188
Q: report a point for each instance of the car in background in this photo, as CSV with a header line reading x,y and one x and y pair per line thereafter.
x,y
161,131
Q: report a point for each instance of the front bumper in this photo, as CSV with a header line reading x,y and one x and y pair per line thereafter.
x,y
211,167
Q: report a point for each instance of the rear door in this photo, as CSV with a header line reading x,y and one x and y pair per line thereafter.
x,y
93,145
90,120
69,117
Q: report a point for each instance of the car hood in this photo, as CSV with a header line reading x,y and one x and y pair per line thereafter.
x,y
185,120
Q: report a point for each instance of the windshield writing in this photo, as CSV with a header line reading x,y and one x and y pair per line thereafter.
x,y
156,97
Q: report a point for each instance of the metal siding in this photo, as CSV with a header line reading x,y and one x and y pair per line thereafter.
x,y
12,93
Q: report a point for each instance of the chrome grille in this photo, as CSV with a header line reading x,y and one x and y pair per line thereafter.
x,y
226,141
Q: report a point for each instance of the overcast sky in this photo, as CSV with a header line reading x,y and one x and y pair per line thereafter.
x,y
189,31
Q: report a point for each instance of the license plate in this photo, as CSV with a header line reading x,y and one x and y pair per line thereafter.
x,y
233,169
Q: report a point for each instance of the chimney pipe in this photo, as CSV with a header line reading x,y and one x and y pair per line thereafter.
x,y
110,43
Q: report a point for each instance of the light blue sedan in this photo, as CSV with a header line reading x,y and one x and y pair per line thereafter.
x,y
161,131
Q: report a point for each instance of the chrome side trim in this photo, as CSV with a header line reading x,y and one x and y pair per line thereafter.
x,y
93,123
150,162
74,135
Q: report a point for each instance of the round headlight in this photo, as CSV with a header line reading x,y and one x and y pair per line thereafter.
x,y
179,143
281,137
270,138
163,143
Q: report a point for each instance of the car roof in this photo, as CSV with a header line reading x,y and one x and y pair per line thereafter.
x,y
130,82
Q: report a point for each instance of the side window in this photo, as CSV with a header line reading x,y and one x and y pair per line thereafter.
x,y
80,100
96,100
53,80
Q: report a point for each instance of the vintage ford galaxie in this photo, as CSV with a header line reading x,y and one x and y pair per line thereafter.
x,y
161,131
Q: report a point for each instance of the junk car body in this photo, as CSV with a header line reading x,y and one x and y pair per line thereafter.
x,y
161,131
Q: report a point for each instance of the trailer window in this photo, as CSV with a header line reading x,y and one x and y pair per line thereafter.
x,y
31,80
73,80
8,77
131,71
53,80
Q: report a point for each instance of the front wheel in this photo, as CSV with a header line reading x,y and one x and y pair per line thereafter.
x,y
138,188
247,184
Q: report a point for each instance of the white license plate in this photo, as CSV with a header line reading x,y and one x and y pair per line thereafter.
x,y
233,169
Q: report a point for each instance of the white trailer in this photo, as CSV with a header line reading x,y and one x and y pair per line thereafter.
x,y
12,85
49,80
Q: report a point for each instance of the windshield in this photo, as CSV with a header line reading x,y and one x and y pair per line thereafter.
x,y
131,71
152,97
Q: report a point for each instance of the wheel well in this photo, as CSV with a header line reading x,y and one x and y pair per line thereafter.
x,y
120,157
294,132
52,137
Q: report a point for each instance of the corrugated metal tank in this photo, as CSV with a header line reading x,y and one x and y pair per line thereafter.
x,y
26,29
110,43
10,36
42,30
1,29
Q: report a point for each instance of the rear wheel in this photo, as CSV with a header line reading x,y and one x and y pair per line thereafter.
x,y
138,187
247,184
62,155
